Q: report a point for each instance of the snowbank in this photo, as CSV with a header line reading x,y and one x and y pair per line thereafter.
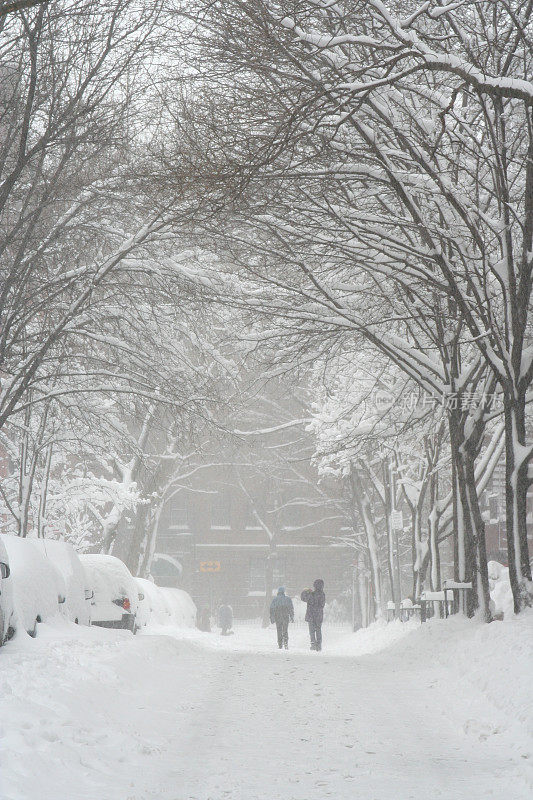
x,y
486,664
494,659
373,639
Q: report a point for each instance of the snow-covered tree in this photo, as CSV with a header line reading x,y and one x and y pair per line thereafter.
x,y
392,171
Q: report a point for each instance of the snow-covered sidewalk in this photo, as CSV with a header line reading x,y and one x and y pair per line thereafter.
x,y
390,713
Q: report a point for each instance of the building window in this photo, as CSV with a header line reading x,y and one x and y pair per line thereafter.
x,y
178,516
221,510
257,573
293,515
494,508
175,542
166,570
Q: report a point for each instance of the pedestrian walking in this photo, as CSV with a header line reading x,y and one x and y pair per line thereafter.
x,y
225,618
282,612
314,616
204,620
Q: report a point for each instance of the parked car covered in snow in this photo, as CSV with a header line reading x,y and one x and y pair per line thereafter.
x,y
6,596
77,605
115,600
38,587
153,607
144,610
183,609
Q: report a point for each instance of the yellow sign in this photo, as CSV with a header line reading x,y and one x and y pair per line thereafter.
x,y
209,566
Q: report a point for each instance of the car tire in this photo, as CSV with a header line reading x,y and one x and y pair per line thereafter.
x,y
33,631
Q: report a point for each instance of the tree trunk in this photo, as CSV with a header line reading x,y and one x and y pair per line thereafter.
x,y
480,548
516,486
269,584
420,552
134,546
28,467
41,520
471,544
147,549
362,590
362,501
109,530
389,505
434,553
464,549
372,542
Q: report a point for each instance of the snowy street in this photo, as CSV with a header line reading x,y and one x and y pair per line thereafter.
x,y
266,356
199,717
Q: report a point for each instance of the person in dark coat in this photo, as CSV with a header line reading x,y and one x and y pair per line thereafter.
x,y
225,618
282,612
204,619
314,616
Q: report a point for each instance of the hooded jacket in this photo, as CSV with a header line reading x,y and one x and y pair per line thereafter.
x,y
316,600
281,608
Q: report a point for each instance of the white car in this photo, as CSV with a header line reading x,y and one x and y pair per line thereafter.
x,y
183,609
38,587
77,606
152,607
115,601
144,611
7,609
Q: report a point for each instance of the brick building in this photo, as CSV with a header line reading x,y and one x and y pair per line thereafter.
x,y
211,526
493,509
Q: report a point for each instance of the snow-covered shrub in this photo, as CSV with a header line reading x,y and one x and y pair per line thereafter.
x,y
500,589
299,609
334,612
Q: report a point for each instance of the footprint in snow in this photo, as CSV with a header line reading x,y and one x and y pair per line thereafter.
x,y
50,736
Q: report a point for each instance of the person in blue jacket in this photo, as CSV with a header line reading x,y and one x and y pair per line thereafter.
x,y
282,612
